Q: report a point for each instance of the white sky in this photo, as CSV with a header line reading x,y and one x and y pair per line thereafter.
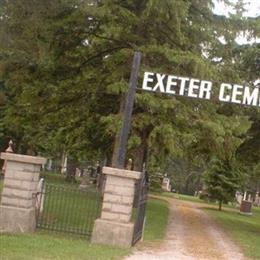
x,y
252,10
252,6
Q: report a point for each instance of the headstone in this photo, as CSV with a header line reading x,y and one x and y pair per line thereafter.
x,y
166,186
239,197
257,200
86,179
246,206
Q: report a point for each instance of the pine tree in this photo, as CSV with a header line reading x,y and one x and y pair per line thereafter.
x,y
66,66
223,179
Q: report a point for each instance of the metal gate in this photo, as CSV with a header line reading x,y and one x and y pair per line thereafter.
x,y
63,208
139,211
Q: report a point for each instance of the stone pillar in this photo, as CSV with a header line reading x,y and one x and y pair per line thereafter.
x,y
17,209
115,226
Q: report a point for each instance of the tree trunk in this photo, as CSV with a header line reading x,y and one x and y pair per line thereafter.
x,y
139,158
220,205
71,169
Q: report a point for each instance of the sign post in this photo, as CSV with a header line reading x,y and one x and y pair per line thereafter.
x,y
122,136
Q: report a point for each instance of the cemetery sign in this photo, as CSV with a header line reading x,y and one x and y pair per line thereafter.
x,y
202,89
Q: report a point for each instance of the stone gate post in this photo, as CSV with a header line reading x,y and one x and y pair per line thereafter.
x,y
114,227
18,202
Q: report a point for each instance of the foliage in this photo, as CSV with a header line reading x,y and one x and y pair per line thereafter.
x,y
65,66
155,181
223,179
43,245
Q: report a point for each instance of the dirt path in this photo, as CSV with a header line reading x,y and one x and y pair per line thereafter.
x,y
191,234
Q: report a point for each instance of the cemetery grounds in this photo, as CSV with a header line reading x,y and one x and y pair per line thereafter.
x,y
243,230
45,244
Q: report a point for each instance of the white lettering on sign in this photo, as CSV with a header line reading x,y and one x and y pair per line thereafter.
x,y
171,82
236,94
223,96
159,82
147,78
251,97
205,89
195,88
177,85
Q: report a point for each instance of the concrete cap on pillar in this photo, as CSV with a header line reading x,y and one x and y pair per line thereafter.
x,y
122,173
23,158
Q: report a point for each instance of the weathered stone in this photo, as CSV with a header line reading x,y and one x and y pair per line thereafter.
x,y
114,227
9,192
106,206
18,202
121,173
118,208
124,218
119,181
17,220
19,184
112,198
23,158
110,215
112,233
124,200
22,175
119,190
127,200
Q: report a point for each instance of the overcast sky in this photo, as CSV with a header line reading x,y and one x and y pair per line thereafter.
x,y
252,6
253,10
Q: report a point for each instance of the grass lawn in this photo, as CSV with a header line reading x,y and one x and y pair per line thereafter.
x,y
66,208
157,212
245,230
48,245
41,246
57,178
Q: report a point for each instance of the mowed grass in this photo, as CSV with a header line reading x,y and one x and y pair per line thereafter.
x,y
57,178
40,246
244,230
69,209
157,212
45,244
49,245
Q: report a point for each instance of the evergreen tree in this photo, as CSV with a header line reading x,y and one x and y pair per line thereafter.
x,y
66,66
223,179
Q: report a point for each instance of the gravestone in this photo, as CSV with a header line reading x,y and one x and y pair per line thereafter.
x,y
85,180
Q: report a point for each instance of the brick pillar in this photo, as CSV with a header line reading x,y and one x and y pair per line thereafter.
x,y
115,227
17,208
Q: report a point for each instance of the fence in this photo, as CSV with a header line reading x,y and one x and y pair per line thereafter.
x,y
139,211
68,209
